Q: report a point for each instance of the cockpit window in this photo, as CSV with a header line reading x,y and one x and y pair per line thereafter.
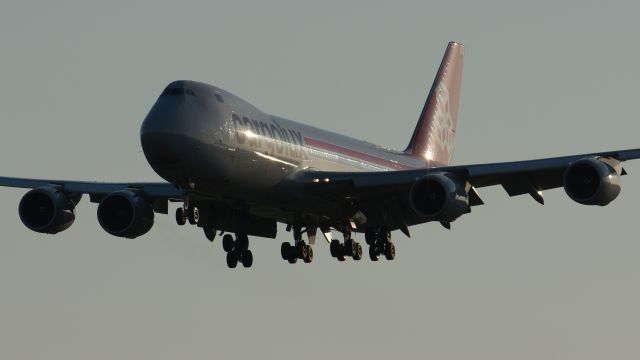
x,y
178,91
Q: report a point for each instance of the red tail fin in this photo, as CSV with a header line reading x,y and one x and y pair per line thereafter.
x,y
435,133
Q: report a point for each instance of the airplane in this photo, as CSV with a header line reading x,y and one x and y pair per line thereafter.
x,y
239,172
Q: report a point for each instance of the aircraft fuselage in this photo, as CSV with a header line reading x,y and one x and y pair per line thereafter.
x,y
208,141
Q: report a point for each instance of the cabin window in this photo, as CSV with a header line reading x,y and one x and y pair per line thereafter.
x,y
178,92
219,98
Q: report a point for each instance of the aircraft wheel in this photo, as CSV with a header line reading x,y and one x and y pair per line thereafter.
x,y
309,257
370,237
373,253
242,241
342,253
247,259
181,216
350,247
390,251
335,248
285,250
301,250
210,233
292,260
232,259
358,252
194,215
227,243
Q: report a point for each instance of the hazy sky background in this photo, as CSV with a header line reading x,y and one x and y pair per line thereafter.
x,y
515,280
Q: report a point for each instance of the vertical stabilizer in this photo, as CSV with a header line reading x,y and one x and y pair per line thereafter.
x,y
435,133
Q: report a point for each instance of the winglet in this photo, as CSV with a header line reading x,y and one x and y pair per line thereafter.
x,y
435,132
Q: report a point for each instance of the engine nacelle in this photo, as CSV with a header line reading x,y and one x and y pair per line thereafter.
x,y
591,181
439,197
48,210
125,214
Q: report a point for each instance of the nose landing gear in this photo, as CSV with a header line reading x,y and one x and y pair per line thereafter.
x,y
237,249
190,213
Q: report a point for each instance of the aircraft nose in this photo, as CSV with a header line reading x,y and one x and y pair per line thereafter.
x,y
174,142
168,115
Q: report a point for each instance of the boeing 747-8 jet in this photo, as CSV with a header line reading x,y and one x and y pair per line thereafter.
x,y
239,171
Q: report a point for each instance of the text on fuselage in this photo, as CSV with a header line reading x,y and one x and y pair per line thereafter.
x,y
269,137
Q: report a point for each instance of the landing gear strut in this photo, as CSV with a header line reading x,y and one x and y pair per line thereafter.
x,y
350,248
237,250
299,250
379,241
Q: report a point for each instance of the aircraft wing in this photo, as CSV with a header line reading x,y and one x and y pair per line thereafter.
x,y
96,190
390,189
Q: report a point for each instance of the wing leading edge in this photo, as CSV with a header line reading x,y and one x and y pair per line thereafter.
x,y
479,175
517,178
97,189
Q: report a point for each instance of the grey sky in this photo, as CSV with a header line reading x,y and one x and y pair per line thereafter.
x,y
514,280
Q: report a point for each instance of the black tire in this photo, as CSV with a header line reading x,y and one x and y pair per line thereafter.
x,y
285,250
309,258
347,248
351,248
247,259
210,233
181,216
390,251
370,236
242,242
335,248
301,250
373,253
194,215
227,243
292,260
232,259
358,254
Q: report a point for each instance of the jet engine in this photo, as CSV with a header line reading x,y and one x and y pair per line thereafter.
x,y
125,214
48,210
439,197
592,181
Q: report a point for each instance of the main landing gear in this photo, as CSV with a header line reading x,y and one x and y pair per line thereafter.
x,y
299,250
191,213
379,241
237,250
350,248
